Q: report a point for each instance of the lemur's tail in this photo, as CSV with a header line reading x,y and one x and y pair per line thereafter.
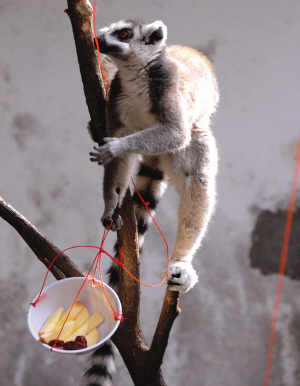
x,y
101,363
151,184
102,367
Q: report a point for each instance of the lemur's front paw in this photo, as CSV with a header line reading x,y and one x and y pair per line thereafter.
x,y
105,153
116,224
181,276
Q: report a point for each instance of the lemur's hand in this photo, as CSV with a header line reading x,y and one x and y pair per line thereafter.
x,y
107,152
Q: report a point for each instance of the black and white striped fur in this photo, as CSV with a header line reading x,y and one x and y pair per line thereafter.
x,y
158,115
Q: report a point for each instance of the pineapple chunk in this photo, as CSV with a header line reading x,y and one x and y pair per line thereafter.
x,y
74,312
80,331
51,321
81,317
94,321
53,334
92,337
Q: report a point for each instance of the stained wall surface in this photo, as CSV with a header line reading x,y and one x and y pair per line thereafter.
x,y
221,336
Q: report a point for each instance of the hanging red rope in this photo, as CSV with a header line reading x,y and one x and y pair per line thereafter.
x,y
283,258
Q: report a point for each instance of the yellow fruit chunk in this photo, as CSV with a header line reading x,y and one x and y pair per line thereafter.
x,y
94,321
53,334
74,312
67,330
81,317
51,321
92,337
80,331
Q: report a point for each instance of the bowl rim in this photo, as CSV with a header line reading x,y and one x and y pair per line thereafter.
x,y
87,349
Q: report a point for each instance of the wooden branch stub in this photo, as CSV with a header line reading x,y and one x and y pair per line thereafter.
x,y
170,311
40,245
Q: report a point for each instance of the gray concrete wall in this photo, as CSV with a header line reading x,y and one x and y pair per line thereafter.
x,y
221,336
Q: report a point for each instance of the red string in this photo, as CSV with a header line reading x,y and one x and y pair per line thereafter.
x,y
97,262
283,259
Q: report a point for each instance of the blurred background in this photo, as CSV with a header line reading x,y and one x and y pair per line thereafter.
x,y
221,336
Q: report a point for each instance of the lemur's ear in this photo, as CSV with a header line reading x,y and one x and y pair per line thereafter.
x,y
155,33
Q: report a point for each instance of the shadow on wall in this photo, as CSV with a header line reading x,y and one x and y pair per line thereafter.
x,y
267,238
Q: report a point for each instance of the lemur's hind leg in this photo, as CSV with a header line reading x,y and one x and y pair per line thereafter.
x,y
193,216
151,183
197,197
117,174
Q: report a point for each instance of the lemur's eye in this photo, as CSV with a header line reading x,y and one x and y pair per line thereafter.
x,y
125,34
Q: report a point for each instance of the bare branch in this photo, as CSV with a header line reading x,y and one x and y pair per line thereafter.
x,y
169,312
40,245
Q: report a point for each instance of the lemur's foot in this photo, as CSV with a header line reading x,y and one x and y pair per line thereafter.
x,y
116,224
181,276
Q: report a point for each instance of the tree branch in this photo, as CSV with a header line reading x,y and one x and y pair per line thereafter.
x,y
170,310
44,250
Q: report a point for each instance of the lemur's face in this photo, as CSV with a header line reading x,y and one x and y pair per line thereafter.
x,y
130,37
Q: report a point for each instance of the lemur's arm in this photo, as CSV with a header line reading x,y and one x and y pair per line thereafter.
x,y
160,138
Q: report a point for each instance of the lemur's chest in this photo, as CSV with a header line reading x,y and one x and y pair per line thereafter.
x,y
134,105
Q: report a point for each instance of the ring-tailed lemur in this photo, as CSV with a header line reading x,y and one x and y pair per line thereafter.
x,y
158,113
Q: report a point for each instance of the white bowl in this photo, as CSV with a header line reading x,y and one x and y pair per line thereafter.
x,y
63,293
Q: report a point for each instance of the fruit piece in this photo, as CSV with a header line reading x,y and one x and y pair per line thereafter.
x,y
67,330
94,321
51,321
58,343
82,340
81,317
73,345
53,334
80,331
92,337
74,312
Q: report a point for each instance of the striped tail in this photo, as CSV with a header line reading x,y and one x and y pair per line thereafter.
x,y
102,367
151,184
101,362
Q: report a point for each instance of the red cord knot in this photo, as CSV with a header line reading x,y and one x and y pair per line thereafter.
x,y
119,316
93,282
40,297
